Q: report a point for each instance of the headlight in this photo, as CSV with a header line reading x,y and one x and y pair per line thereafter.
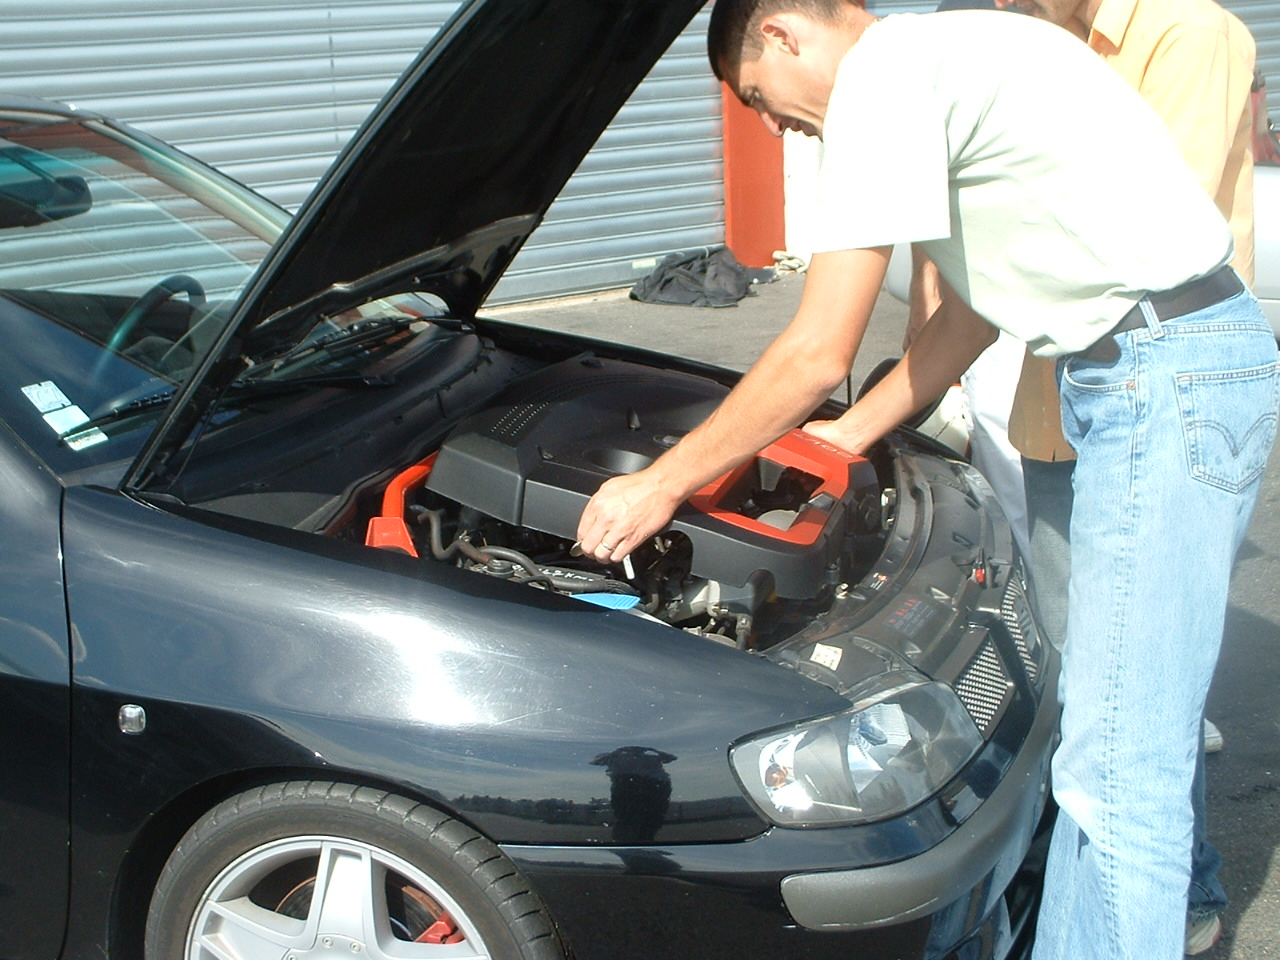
x,y
880,758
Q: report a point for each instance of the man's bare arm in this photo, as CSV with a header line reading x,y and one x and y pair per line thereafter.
x,y
798,371
924,294
944,349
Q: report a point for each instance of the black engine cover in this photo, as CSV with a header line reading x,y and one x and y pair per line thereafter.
x,y
535,457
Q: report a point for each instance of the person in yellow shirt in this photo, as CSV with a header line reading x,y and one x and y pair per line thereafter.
x,y
1193,62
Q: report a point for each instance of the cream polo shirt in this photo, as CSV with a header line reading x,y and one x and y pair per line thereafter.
x,y
1193,62
1049,195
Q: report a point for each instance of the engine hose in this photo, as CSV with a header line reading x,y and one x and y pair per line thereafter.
x,y
490,552
438,549
469,550
482,555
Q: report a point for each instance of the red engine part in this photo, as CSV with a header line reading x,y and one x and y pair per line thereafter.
x,y
388,530
803,451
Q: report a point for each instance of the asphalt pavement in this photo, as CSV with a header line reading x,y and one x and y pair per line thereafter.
x,y
1243,779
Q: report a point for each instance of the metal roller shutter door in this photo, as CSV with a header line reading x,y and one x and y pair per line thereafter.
x,y
1263,19
270,91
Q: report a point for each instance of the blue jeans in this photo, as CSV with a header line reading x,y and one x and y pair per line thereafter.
x,y
1172,439
1049,500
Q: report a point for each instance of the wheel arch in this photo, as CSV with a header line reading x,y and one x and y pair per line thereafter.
x,y
155,842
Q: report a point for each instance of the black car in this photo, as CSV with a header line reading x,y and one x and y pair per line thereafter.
x,y
300,657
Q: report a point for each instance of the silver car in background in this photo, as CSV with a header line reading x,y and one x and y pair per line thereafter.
x,y
1266,207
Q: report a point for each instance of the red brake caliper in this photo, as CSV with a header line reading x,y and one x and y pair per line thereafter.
x,y
443,930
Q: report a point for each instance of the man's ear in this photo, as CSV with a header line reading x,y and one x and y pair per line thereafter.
x,y
780,34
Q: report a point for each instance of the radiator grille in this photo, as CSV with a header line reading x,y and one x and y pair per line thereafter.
x,y
984,687
1015,610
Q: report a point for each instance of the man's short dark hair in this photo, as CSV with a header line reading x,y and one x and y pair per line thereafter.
x,y
732,36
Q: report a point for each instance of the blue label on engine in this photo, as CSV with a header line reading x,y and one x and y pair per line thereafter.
x,y
610,601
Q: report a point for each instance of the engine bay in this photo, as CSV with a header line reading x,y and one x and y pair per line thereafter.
x,y
747,560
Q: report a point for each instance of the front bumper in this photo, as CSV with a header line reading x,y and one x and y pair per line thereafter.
x,y
984,851
791,892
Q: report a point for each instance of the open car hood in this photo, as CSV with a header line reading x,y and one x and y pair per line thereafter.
x,y
460,161
447,177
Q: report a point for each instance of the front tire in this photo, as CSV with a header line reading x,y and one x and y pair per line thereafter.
x,y
322,870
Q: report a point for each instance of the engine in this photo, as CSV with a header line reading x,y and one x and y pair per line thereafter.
x,y
503,494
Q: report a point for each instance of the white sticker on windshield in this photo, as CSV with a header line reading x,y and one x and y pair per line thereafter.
x,y
66,419
46,396
62,416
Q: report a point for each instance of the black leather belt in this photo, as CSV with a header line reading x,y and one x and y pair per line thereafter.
x,y
1222,284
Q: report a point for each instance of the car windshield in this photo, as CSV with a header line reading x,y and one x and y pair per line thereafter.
x,y
121,261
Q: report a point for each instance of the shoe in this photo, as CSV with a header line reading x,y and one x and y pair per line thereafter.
x,y
1203,934
1212,737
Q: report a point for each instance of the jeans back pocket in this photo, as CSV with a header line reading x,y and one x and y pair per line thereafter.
x,y
1229,423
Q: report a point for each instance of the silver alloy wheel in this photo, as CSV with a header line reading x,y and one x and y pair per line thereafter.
x,y
325,897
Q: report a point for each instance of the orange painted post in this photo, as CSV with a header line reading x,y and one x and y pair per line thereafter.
x,y
753,189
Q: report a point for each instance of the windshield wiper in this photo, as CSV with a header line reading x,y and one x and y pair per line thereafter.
x,y
332,346
259,387
237,391
152,402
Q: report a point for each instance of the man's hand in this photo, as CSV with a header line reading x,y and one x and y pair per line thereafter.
x,y
835,432
624,513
